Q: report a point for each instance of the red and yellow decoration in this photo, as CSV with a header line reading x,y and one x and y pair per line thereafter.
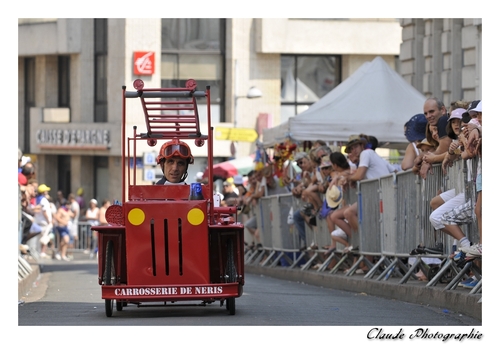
x,y
283,152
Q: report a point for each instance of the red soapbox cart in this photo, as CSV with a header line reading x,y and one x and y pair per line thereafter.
x,y
161,245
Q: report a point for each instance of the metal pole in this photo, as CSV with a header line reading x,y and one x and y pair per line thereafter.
x,y
235,114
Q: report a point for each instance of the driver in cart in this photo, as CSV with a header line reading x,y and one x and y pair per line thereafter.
x,y
174,158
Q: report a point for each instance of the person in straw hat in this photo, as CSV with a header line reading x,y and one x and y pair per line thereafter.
x,y
334,197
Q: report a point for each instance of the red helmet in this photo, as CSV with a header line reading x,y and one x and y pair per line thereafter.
x,y
175,148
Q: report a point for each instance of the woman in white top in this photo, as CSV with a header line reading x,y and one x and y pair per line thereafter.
x,y
92,213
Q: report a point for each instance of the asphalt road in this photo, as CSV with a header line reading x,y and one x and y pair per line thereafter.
x,y
67,294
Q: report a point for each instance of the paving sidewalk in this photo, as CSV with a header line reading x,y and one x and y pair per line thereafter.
x,y
32,284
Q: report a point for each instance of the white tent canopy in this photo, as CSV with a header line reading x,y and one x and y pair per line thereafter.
x,y
375,100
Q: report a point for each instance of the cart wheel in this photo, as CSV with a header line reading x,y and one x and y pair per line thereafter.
x,y
109,275
231,275
108,304
119,306
231,305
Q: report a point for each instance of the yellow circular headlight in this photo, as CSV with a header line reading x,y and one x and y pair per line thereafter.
x,y
195,216
136,216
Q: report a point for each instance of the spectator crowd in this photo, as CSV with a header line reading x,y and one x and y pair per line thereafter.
x,y
323,174
317,174
49,227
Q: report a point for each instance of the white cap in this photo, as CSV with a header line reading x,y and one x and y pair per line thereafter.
x,y
238,180
479,107
25,160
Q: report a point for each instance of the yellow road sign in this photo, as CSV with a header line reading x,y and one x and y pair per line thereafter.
x,y
235,134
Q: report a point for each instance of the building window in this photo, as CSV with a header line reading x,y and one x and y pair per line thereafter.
x,y
29,98
64,174
306,79
193,49
101,69
63,80
101,178
195,35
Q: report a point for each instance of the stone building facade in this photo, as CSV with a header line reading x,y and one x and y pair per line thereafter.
x,y
443,57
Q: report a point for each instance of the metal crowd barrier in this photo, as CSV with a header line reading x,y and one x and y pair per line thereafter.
x,y
278,238
393,213
85,241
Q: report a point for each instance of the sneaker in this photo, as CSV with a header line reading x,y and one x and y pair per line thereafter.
x,y
307,209
418,250
471,285
312,247
86,251
66,259
461,263
459,255
24,248
58,256
473,251
43,255
312,221
434,250
467,281
347,249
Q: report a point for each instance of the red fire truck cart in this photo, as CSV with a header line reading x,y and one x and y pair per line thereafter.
x,y
161,245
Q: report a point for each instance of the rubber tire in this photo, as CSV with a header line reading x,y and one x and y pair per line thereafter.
x,y
231,305
119,306
108,273
231,273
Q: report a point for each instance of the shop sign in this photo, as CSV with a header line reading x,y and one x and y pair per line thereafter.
x,y
144,63
74,138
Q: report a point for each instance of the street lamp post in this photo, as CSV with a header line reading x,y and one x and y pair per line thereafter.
x,y
253,93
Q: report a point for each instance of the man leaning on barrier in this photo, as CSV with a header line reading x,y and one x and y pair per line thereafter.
x,y
436,114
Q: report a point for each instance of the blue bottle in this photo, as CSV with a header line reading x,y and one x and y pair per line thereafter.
x,y
195,191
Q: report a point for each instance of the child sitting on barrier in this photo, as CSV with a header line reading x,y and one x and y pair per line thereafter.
x,y
341,169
